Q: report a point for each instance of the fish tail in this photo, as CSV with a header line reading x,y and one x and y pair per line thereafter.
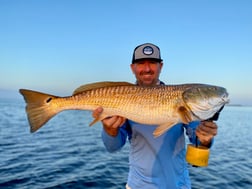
x,y
39,108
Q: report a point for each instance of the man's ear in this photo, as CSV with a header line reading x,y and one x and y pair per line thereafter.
x,y
161,65
132,66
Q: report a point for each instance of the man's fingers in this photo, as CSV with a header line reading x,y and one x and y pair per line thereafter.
x,y
119,122
206,131
208,128
114,121
112,124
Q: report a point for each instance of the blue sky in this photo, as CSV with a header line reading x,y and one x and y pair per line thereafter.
x,y
56,45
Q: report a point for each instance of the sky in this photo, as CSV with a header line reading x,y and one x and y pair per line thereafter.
x,y
54,46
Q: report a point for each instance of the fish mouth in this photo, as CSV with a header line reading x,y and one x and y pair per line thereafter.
x,y
225,98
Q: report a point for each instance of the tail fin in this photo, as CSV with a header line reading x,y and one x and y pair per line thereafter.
x,y
39,108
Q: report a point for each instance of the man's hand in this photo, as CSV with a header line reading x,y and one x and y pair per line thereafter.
x,y
110,124
206,131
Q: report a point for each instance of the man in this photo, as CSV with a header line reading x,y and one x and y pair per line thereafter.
x,y
154,163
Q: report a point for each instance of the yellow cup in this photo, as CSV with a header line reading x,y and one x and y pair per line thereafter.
x,y
197,156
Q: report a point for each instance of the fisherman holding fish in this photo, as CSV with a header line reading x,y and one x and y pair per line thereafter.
x,y
154,162
151,115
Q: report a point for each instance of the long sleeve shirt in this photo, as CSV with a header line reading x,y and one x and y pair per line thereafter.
x,y
154,163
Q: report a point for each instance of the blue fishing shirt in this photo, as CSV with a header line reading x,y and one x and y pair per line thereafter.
x,y
154,163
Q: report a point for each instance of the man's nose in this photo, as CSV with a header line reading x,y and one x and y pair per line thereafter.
x,y
147,67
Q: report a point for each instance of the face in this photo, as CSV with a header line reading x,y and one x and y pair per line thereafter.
x,y
147,72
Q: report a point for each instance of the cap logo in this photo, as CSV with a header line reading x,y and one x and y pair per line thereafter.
x,y
148,50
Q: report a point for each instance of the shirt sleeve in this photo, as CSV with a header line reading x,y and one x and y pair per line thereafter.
x,y
115,143
190,132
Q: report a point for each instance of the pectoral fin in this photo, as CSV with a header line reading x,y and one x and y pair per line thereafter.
x,y
161,129
101,117
184,114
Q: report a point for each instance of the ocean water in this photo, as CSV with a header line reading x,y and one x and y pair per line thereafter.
x,y
67,153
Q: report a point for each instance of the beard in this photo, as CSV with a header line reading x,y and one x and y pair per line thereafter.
x,y
147,79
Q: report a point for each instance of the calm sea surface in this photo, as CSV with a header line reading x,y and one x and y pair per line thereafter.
x,y
66,153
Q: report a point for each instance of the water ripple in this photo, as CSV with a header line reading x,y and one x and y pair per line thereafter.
x,y
67,153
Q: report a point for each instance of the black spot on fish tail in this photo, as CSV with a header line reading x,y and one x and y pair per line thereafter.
x,y
48,100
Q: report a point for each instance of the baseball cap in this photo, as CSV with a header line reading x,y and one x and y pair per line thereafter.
x,y
146,51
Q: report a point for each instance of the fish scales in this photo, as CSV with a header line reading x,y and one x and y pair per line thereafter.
x,y
130,102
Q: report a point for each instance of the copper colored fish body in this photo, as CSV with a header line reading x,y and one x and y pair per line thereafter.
x,y
164,106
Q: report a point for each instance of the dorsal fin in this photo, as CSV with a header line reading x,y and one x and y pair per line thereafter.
x,y
98,85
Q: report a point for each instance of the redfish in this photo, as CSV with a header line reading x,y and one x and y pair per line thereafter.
x,y
164,106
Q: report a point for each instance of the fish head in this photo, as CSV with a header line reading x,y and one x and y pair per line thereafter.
x,y
205,100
